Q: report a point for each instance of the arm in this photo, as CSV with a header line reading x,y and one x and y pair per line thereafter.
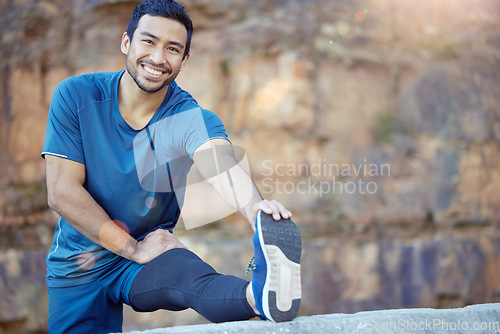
x,y
214,159
68,197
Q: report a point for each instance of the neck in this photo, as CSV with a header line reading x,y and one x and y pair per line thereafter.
x,y
137,106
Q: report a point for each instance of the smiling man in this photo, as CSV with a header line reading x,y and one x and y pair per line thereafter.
x,y
113,243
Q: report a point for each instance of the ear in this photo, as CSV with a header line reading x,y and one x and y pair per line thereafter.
x,y
125,44
184,61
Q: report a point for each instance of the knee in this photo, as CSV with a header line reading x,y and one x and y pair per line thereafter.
x,y
176,268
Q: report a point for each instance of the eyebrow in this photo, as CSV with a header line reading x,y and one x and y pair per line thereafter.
x,y
145,33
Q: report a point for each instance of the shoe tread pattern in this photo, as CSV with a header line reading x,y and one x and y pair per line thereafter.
x,y
285,235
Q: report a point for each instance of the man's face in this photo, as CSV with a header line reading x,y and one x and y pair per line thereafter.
x,y
155,56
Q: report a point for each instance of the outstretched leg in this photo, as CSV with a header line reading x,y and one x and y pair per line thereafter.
x,y
179,279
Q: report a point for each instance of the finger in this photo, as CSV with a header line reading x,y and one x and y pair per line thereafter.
x,y
276,209
175,245
284,212
265,206
271,208
169,240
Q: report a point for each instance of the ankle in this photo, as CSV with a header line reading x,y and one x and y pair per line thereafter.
x,y
251,298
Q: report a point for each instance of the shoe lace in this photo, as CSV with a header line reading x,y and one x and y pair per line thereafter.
x,y
250,266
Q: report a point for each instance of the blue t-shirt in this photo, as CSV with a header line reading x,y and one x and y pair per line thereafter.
x,y
133,174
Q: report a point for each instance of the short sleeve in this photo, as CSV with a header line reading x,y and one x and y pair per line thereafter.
x,y
205,126
63,136
172,142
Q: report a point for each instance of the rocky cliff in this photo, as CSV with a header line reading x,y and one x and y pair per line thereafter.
x,y
378,122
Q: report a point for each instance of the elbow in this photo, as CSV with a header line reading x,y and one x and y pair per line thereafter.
x,y
55,198
51,200
51,203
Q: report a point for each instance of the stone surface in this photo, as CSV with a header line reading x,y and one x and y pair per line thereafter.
x,y
471,319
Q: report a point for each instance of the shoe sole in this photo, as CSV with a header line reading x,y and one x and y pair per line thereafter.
x,y
282,247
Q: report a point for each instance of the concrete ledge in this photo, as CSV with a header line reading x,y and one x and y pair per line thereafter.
x,y
484,318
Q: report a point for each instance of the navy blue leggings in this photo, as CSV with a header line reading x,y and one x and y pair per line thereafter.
x,y
178,279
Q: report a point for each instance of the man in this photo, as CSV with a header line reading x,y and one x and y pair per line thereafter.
x,y
109,149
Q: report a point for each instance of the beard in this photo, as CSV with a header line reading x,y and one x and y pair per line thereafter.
x,y
134,73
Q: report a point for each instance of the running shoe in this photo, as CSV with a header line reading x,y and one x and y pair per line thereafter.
x,y
276,268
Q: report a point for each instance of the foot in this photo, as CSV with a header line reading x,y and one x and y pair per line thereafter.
x,y
276,277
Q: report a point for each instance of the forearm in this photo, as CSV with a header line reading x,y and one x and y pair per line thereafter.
x,y
238,190
79,209
217,163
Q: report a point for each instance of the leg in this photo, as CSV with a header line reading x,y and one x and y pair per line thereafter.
x,y
179,279
83,309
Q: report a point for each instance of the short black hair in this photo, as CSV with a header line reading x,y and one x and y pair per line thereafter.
x,y
164,8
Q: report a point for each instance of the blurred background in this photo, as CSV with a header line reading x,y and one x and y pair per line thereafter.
x,y
377,122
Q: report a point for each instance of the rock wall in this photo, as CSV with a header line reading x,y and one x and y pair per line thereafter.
x,y
378,122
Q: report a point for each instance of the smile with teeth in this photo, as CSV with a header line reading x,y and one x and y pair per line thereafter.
x,y
152,71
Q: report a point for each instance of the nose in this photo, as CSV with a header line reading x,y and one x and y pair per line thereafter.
x,y
157,56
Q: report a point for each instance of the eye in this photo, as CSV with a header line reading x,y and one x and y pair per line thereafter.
x,y
173,49
148,41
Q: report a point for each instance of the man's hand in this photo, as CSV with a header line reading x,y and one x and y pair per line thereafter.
x,y
154,244
274,208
